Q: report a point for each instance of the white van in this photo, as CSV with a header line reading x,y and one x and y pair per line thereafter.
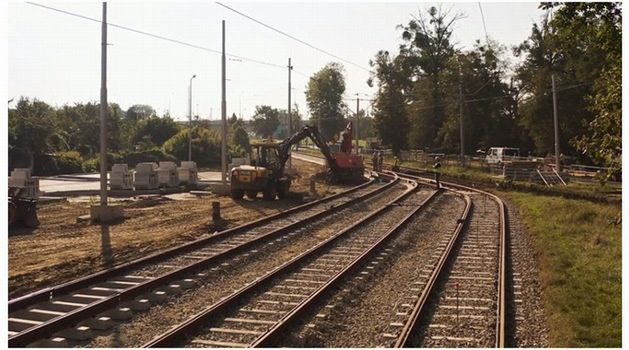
x,y
497,155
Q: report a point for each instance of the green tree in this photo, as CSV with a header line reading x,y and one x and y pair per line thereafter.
x,y
31,128
241,139
389,109
138,112
206,146
157,129
426,53
265,121
324,95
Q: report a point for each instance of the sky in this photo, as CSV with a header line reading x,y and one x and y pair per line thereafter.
x,y
55,57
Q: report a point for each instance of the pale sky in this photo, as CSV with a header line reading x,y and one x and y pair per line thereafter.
x,y
56,57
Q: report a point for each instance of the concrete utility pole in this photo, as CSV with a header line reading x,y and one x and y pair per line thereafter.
x,y
558,165
290,120
103,110
461,123
357,110
223,118
190,118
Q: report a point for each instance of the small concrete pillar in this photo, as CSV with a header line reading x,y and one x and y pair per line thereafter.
x,y
313,189
216,211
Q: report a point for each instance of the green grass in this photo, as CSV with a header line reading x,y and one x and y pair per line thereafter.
x,y
580,262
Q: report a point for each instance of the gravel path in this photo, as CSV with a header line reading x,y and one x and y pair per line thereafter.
x,y
220,282
525,308
362,311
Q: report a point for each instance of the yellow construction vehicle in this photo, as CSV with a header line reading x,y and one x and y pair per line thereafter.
x,y
266,172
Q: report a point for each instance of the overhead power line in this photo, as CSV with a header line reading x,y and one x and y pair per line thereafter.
x,y
294,38
160,37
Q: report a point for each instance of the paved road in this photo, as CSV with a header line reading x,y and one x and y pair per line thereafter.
x,y
90,182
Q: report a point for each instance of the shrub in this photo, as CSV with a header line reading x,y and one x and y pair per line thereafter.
x,y
69,162
93,164
45,164
152,155
206,146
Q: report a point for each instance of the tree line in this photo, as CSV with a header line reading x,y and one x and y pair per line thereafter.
x,y
429,85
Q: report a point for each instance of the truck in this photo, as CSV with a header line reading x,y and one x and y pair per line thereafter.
x,y
498,155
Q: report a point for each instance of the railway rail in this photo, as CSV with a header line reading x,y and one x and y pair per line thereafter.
x,y
457,300
118,292
462,301
258,314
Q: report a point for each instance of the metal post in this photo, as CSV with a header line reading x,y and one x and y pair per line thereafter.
x,y
290,120
223,118
357,110
103,110
461,123
190,118
557,163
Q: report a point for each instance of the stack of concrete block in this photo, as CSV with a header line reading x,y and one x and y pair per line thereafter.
x,y
188,173
146,176
167,174
21,177
120,177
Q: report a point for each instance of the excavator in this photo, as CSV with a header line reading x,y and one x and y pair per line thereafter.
x,y
266,172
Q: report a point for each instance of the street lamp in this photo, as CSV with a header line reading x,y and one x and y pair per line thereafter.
x,y
190,118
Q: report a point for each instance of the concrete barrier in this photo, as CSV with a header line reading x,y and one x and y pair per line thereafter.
x,y
146,176
21,177
187,173
167,174
120,177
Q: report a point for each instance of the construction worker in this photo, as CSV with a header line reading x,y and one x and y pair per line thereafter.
x,y
437,171
396,164
380,160
374,161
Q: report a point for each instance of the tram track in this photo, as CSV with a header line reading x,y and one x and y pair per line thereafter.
x,y
266,312
41,315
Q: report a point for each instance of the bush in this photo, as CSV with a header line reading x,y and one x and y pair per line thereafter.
x,y
93,164
45,165
69,162
153,155
206,146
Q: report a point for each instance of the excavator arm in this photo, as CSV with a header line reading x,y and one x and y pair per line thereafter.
x,y
313,133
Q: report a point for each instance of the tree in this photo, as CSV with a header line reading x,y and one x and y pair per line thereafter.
x,y
390,117
324,95
265,121
206,146
425,54
157,129
31,127
241,139
137,112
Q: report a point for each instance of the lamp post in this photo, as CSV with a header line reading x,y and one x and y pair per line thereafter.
x,y
190,118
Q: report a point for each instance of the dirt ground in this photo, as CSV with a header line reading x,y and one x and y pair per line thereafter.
x,y
62,249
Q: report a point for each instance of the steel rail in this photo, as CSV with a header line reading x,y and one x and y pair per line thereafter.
x,y
49,292
501,292
71,318
268,339
170,337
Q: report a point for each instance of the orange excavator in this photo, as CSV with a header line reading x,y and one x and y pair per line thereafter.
x,y
349,163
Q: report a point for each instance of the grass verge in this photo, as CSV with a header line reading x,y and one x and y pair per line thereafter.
x,y
580,262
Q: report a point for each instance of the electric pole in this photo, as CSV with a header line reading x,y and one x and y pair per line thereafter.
x,y
290,120
190,118
357,110
103,110
223,117
461,122
557,164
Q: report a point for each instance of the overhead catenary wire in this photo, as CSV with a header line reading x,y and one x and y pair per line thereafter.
x,y
294,38
156,36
